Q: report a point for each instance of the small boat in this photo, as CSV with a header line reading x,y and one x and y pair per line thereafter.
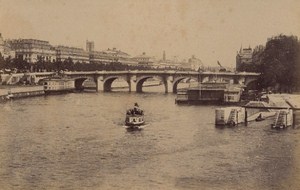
x,y
134,118
259,118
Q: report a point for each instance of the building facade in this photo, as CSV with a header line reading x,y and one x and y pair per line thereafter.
x,y
195,63
117,55
173,63
33,50
75,54
5,49
244,56
90,46
257,54
110,56
144,59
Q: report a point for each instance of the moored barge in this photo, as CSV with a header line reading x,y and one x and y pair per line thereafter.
x,y
57,85
210,93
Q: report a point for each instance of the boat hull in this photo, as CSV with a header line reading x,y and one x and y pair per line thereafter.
x,y
134,121
134,124
259,119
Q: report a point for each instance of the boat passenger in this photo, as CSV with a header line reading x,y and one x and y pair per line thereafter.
x,y
136,108
138,111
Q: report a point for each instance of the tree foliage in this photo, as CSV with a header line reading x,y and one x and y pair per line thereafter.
x,y
68,64
280,63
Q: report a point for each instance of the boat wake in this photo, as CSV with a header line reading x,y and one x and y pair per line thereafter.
x,y
135,128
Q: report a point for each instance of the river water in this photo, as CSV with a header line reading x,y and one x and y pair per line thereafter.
x,y
77,141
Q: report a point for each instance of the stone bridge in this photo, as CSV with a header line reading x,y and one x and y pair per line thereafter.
x,y
135,79
169,79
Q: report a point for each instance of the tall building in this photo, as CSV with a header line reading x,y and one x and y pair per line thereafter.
x,y
257,54
110,56
244,56
32,50
90,46
76,54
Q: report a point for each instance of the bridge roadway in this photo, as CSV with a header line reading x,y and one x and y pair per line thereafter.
x,y
135,79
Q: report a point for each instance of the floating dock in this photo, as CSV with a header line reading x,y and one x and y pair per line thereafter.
x,y
229,116
283,113
283,119
210,93
250,112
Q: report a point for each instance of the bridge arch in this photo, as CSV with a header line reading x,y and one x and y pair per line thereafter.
x,y
79,83
177,80
140,82
251,84
107,83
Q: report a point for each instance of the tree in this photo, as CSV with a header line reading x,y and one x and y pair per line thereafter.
x,y
279,61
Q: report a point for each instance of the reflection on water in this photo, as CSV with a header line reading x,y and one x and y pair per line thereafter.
x,y
77,141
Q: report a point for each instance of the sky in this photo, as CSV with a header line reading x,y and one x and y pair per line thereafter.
x,y
212,30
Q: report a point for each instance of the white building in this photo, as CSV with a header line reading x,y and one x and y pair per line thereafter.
x,y
76,54
244,56
144,59
110,56
5,49
33,50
